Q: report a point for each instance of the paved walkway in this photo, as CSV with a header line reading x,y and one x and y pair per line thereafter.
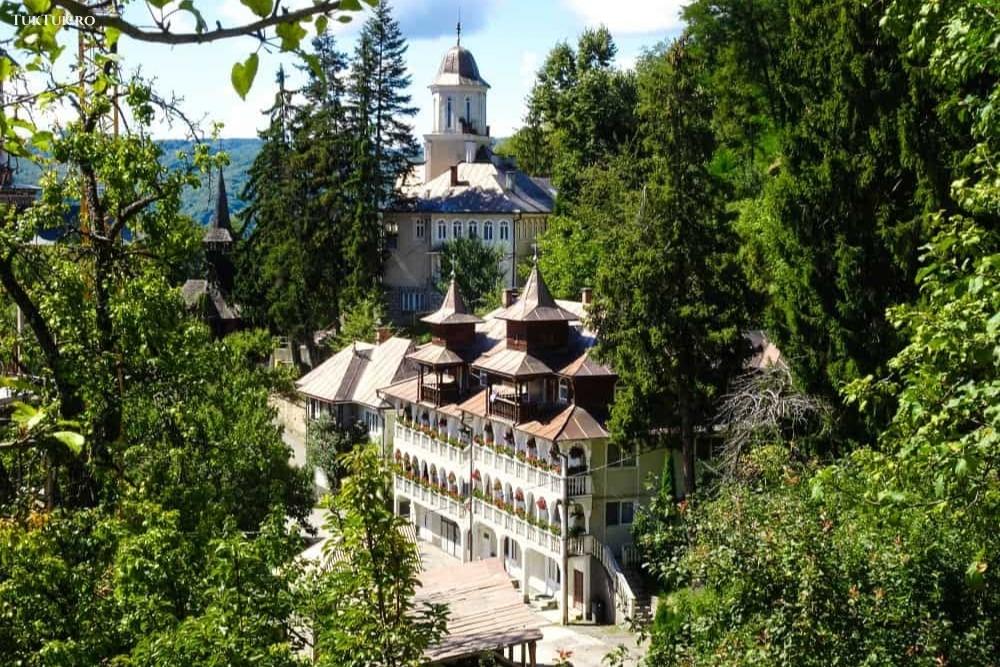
x,y
588,643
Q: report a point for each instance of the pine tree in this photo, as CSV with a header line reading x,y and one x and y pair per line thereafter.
x,y
291,261
670,303
384,142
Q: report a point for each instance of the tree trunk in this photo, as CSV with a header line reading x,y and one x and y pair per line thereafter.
x,y
687,445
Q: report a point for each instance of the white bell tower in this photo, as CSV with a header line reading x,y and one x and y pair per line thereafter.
x,y
459,98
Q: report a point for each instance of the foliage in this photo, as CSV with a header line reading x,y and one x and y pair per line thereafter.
x,y
361,322
581,111
383,144
364,613
476,267
327,442
292,260
156,533
670,306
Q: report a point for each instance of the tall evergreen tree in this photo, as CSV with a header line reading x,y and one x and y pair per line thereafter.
x,y
385,145
291,264
671,306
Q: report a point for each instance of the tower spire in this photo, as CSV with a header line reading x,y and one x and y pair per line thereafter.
x,y
458,27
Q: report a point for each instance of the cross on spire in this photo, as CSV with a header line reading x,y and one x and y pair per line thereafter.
x,y
458,27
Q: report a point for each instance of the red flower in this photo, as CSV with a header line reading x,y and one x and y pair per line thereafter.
x,y
541,504
475,475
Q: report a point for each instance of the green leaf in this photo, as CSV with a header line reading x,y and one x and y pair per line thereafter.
x,y
243,75
261,8
291,35
37,6
351,5
321,24
26,416
74,441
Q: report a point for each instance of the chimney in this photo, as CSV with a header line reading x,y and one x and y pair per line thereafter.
x,y
586,296
454,175
382,334
509,297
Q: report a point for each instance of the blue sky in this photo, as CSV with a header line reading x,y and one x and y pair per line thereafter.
x,y
509,39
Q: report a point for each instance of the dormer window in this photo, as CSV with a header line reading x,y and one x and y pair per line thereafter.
x,y
565,391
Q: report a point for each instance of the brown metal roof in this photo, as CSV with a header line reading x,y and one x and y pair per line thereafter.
x,y
475,404
435,355
452,310
536,304
572,423
354,374
584,366
513,363
485,611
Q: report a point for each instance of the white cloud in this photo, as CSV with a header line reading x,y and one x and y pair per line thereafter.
x,y
630,16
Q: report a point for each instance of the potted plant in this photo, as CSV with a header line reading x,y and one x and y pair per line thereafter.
x,y
541,504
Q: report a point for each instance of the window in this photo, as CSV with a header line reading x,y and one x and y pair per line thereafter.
x,y
418,229
468,111
620,456
473,229
488,230
412,301
447,116
442,230
504,231
619,513
564,390
456,229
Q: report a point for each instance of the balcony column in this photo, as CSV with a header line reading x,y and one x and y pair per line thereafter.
x,y
524,571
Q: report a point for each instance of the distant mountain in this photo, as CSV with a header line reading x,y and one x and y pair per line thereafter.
x,y
196,202
199,202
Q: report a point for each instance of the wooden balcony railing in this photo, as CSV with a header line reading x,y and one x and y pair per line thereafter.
x,y
439,394
510,408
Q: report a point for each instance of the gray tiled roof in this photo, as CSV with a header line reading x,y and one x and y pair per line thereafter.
x,y
482,187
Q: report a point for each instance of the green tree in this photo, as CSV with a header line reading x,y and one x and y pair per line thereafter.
x,y
670,303
364,612
476,267
384,145
327,442
292,260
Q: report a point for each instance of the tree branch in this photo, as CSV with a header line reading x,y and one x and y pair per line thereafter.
x,y
166,37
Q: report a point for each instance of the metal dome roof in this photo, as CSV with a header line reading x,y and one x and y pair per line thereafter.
x,y
458,68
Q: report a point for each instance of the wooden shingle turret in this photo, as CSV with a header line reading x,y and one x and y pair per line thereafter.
x,y
535,322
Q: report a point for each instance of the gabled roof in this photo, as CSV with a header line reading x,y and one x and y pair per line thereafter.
x,y
354,374
572,423
513,363
435,355
220,229
536,304
452,310
584,366
481,187
194,290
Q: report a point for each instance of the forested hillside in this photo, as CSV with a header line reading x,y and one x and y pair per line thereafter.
x,y
196,202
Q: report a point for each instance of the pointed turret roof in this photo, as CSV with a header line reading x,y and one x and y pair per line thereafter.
x,y
536,304
452,310
219,229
